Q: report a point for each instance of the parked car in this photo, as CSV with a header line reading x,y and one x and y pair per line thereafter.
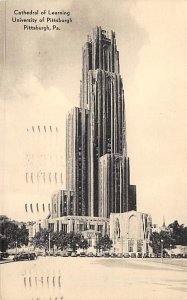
x,y
146,255
120,255
33,256
106,254
82,254
90,254
73,254
3,255
40,253
113,254
25,256
133,255
69,252
99,254
126,255
59,253
64,254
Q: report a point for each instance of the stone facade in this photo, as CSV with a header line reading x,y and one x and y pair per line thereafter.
x,y
130,232
77,224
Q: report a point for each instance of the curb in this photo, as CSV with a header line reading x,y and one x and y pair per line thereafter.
x,y
6,262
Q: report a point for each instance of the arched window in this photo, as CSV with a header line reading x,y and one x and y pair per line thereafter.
x,y
133,227
117,228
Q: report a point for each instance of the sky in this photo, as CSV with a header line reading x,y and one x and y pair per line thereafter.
x,y
40,83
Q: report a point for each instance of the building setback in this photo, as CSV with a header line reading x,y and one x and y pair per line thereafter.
x,y
62,204
115,193
97,162
77,158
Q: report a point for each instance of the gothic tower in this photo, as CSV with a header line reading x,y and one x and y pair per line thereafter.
x,y
102,96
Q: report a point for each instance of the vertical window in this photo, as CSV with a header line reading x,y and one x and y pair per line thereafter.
x,y
130,245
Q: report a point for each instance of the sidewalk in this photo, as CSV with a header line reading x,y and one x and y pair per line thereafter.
x,y
182,262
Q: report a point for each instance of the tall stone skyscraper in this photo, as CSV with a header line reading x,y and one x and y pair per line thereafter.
x,y
97,162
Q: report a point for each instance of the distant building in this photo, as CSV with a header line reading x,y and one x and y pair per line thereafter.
x,y
164,227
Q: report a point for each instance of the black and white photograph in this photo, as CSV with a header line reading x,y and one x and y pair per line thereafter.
x,y
93,155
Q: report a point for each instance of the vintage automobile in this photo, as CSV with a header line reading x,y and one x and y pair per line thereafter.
x,y
133,255
119,255
106,254
3,255
99,254
126,255
113,254
24,256
64,254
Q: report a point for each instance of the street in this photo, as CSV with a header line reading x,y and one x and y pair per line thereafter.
x,y
68,278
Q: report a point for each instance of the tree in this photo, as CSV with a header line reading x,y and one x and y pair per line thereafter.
x,y
157,238
41,239
103,243
76,240
24,235
179,233
13,234
83,243
3,243
59,239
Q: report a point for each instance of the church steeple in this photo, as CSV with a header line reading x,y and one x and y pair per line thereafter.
x,y
164,224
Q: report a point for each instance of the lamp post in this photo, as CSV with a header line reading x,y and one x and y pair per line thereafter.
x,y
82,241
122,244
49,243
170,249
162,250
16,247
89,240
96,235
